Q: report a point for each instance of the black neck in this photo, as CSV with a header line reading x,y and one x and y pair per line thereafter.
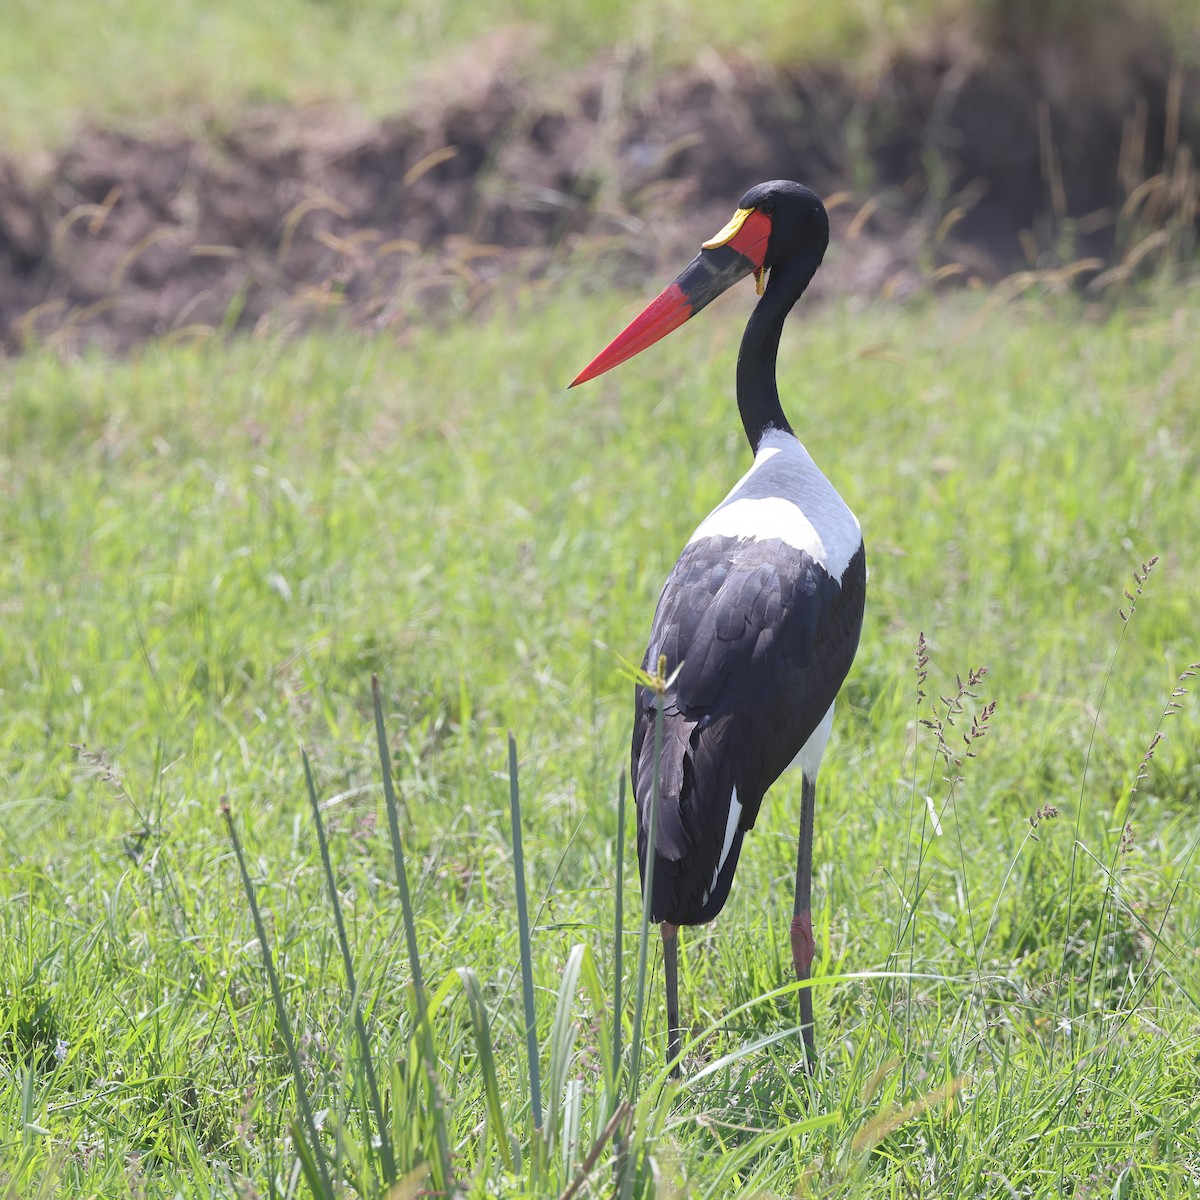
x,y
757,391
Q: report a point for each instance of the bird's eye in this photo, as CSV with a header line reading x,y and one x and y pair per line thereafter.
x,y
767,208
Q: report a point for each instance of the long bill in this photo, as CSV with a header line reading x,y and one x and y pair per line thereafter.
x,y
737,251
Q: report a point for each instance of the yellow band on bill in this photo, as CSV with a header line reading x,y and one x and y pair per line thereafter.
x,y
730,231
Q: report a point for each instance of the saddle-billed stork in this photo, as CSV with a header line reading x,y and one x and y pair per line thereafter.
x,y
759,621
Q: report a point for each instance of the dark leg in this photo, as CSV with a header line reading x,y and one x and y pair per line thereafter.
x,y
670,940
803,947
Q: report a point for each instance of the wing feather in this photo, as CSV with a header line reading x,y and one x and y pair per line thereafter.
x,y
761,638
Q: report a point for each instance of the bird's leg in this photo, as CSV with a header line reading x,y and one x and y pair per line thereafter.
x,y
670,940
803,946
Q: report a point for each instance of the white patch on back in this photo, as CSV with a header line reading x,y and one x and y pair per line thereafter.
x,y
785,496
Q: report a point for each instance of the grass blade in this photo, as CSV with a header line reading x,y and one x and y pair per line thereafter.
x,y
387,1162
571,1121
627,1150
311,1165
308,1148
601,1010
487,1062
443,1169
610,1131
562,1040
531,1041
647,903
618,937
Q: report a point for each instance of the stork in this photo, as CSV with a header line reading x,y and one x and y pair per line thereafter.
x,y
759,620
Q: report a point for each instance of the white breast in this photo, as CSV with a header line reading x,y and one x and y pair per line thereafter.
x,y
785,496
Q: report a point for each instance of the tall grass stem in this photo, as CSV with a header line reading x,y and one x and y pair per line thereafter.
x,y
531,1038
316,1159
618,941
639,1001
443,1167
387,1161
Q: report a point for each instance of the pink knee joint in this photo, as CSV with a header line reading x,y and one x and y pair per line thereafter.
x,y
803,946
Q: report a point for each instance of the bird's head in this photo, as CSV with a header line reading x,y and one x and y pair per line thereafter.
x,y
776,223
799,224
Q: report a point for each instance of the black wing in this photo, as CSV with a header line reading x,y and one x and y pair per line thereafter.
x,y
765,637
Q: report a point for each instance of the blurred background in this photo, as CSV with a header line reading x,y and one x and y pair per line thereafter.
x,y
183,169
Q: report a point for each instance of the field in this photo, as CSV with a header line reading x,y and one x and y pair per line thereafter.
x,y
208,550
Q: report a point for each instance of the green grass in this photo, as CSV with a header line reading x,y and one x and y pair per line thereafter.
x,y
206,552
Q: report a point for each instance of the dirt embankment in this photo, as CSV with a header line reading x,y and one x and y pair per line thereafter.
x,y
954,161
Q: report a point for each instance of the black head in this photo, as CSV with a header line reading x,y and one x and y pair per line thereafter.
x,y
799,222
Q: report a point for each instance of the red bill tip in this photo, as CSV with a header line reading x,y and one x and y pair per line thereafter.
x,y
666,312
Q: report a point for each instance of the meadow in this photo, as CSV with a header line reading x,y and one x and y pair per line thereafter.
x,y
207,552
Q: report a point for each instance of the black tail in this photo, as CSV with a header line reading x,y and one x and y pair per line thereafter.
x,y
695,788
